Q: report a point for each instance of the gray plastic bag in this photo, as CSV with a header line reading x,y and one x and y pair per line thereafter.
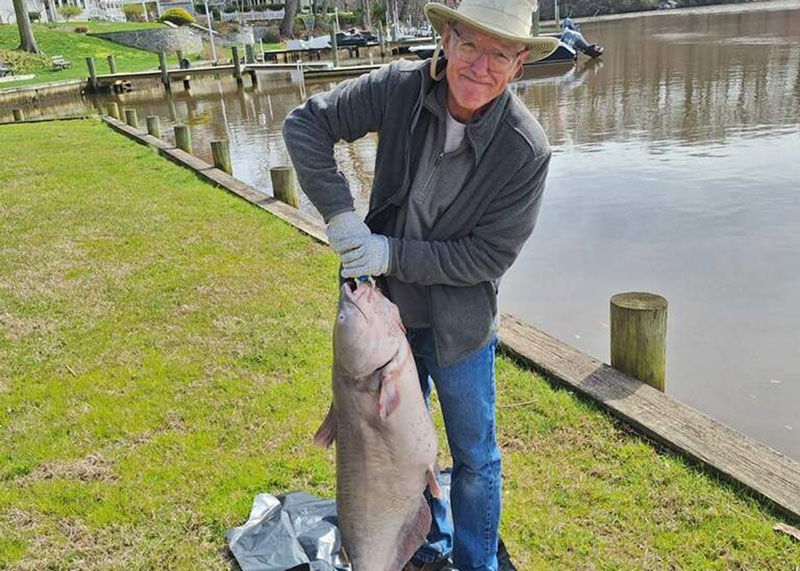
x,y
292,531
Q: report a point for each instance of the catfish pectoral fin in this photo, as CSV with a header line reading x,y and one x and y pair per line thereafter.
x,y
326,433
433,484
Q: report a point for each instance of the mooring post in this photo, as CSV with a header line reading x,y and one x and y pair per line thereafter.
x,y
131,118
249,55
382,40
112,109
92,73
237,66
334,45
112,64
183,139
284,185
154,126
220,151
19,115
639,336
162,63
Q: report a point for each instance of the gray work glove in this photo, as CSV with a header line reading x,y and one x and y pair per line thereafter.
x,y
371,259
347,231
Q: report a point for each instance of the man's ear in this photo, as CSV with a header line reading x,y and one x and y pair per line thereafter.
x,y
446,39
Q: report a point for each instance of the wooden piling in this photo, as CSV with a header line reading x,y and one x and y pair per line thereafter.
x,y
131,118
186,83
220,151
19,115
162,64
237,66
639,336
335,45
154,126
284,185
112,109
112,64
382,40
183,139
249,55
92,73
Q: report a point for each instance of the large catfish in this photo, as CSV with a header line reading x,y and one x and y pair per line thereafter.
x,y
385,440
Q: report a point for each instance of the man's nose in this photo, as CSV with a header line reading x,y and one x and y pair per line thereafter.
x,y
481,65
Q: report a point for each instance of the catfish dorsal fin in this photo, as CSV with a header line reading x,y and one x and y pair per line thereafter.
x,y
326,433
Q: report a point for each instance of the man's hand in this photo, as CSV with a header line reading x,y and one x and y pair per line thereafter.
x,y
347,231
370,259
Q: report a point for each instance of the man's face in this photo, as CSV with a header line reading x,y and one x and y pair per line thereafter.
x,y
471,85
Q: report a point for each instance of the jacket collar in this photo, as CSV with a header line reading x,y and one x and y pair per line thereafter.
x,y
481,130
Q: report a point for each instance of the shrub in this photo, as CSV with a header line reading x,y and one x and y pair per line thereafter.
x,y
81,29
177,16
69,12
271,36
133,12
23,62
34,16
230,9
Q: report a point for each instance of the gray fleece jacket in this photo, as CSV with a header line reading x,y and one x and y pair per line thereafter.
x,y
477,238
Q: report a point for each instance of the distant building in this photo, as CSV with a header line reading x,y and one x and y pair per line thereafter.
x,y
99,9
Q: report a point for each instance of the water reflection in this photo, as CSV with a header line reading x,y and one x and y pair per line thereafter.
x,y
675,171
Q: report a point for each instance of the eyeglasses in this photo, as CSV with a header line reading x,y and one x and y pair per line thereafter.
x,y
467,51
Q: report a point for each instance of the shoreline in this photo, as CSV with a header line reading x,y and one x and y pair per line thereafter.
x,y
67,86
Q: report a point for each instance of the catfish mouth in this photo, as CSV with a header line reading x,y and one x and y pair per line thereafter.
x,y
352,292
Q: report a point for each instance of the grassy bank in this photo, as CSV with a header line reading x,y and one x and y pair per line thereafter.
x,y
164,356
75,48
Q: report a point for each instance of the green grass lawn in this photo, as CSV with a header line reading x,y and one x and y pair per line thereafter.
x,y
165,356
76,48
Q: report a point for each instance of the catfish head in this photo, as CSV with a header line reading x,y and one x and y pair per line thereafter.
x,y
368,331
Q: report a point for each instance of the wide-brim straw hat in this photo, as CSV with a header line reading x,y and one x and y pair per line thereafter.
x,y
504,19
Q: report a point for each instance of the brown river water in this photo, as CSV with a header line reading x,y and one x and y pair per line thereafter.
x,y
676,170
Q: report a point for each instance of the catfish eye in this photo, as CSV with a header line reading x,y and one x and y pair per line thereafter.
x,y
341,316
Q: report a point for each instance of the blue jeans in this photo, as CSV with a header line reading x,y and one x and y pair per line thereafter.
x,y
466,394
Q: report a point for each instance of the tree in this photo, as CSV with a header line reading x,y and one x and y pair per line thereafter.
x,y
69,11
290,11
27,43
366,16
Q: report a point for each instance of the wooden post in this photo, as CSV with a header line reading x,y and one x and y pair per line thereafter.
x,y
112,64
131,118
154,126
19,115
639,336
92,73
334,45
237,66
284,185
536,22
382,40
112,109
220,151
186,83
249,55
162,63
183,139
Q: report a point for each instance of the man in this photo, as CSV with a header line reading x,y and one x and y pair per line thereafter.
x,y
459,173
